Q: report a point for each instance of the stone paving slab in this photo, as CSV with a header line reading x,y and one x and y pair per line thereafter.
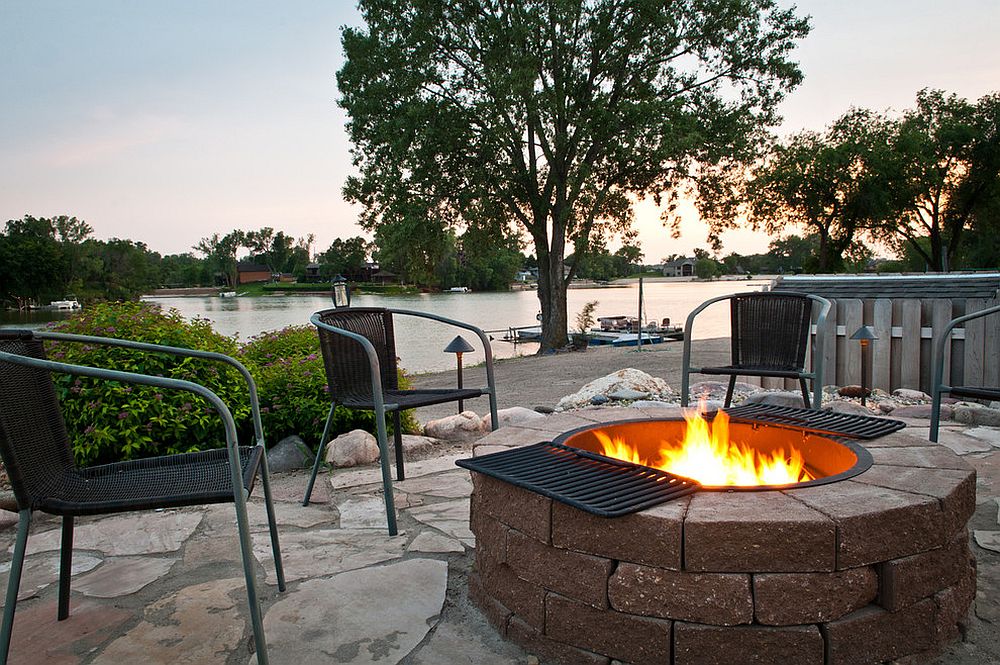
x,y
375,615
450,517
121,576
42,571
39,638
323,552
449,484
373,475
123,535
431,542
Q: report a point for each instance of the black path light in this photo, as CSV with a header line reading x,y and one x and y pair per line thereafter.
x,y
864,335
340,292
458,346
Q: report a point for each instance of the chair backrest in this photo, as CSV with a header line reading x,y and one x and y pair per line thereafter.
x,y
33,440
770,330
347,368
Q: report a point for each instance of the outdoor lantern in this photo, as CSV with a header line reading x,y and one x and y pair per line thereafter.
x,y
864,335
341,292
458,346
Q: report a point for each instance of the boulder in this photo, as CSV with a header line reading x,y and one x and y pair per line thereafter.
x,y
887,406
920,411
414,443
780,398
626,394
289,454
515,415
465,426
624,379
851,391
911,395
353,448
975,414
844,406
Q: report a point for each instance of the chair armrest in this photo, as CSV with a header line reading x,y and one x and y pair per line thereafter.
x,y
487,349
176,351
938,358
147,380
373,363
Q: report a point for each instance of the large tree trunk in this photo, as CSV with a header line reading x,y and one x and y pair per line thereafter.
x,y
552,298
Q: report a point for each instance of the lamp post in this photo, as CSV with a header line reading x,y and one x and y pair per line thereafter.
x,y
864,335
340,292
458,346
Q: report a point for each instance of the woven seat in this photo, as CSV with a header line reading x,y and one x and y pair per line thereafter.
x,y
359,354
769,336
36,451
939,386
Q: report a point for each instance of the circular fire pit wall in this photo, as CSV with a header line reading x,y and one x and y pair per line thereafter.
x,y
858,570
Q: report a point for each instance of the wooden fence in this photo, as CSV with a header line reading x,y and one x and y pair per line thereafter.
x,y
907,330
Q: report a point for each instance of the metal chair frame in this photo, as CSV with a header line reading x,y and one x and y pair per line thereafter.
x,y
240,494
381,407
939,385
816,375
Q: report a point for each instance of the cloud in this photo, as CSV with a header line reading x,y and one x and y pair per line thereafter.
x,y
108,136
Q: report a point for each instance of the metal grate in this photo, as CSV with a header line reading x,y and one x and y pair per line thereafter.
x,y
825,422
584,480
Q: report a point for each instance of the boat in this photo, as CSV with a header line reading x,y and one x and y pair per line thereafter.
x,y
459,289
227,294
632,339
69,303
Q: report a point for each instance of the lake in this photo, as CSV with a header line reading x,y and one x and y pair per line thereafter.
x,y
420,342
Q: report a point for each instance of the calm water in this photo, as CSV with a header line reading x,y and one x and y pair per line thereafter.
x,y
420,342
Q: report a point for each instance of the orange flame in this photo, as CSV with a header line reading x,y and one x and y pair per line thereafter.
x,y
709,456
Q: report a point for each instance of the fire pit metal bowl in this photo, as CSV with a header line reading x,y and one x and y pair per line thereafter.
x,y
862,570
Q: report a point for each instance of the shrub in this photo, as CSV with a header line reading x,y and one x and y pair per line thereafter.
x,y
291,383
110,421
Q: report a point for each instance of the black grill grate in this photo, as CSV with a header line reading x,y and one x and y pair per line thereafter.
x,y
584,480
821,422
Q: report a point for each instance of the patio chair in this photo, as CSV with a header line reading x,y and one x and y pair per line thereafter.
x,y
359,352
35,448
939,386
769,336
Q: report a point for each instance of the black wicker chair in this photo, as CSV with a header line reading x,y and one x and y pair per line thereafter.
x,y
359,352
939,387
36,450
769,337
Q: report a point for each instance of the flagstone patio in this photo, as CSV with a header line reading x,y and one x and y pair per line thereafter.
x,y
167,587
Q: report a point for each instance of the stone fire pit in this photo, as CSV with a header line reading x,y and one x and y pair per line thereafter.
x,y
858,571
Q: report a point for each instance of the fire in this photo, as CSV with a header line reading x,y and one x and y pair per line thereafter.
x,y
707,455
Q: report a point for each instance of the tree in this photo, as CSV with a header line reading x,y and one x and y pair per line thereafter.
x,y
830,184
220,251
346,257
948,169
554,114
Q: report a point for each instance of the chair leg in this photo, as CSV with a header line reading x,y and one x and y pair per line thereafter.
x,y
65,567
272,523
319,455
249,562
383,449
935,414
729,391
13,583
805,393
397,441
494,418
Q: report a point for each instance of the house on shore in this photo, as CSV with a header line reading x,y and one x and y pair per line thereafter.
x,y
683,267
249,272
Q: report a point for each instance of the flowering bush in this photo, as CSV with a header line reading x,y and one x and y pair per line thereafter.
x,y
110,421
291,382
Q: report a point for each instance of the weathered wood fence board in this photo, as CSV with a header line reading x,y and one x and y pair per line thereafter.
x,y
881,322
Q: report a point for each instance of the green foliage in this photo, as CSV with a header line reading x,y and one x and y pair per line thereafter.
x,y
291,383
110,421
553,115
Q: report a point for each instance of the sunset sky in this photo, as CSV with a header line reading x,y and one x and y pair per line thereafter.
x,y
167,121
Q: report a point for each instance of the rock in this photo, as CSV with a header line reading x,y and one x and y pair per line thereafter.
x,y
289,454
989,540
351,449
843,406
512,416
465,426
782,398
627,394
887,406
852,391
622,380
911,395
544,409
414,443
976,414
651,404
921,411
597,400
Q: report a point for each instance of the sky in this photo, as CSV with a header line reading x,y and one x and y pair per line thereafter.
x,y
165,122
